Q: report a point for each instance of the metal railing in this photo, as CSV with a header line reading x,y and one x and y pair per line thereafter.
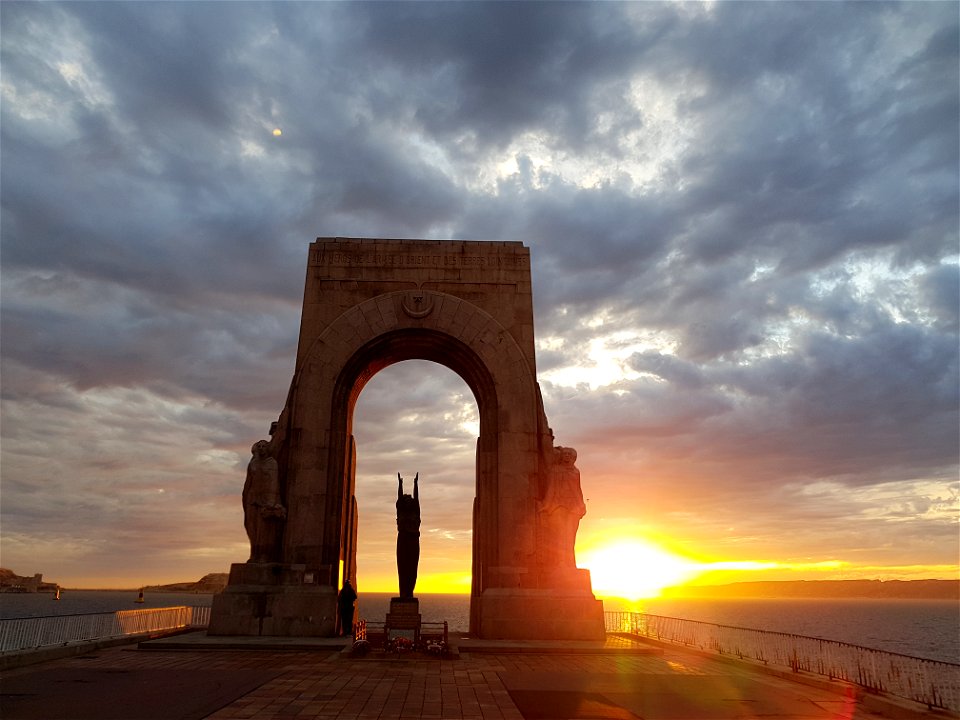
x,y
931,682
18,634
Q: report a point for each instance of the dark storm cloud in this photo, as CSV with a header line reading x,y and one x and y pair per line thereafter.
x,y
767,193
856,409
788,178
807,163
940,288
489,72
102,337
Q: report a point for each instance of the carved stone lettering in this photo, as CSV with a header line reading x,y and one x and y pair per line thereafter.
x,y
373,259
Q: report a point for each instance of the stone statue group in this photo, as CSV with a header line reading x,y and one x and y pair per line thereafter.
x,y
263,508
559,510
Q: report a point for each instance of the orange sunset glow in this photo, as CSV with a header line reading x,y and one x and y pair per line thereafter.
x,y
635,569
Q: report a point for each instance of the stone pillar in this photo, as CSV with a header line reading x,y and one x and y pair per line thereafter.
x,y
274,599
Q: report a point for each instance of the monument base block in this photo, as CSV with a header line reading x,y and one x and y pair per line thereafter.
x,y
404,618
515,614
273,599
404,613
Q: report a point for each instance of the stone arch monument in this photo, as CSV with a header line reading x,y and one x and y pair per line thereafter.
x,y
369,303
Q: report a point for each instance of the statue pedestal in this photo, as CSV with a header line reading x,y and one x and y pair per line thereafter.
x,y
274,599
403,619
508,614
562,608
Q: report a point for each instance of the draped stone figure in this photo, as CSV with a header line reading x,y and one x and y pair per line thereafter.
x,y
560,510
408,536
263,510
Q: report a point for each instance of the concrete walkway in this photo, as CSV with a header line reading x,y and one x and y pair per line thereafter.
x,y
503,682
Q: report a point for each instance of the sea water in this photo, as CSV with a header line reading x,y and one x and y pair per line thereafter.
x,y
454,609
921,628
73,602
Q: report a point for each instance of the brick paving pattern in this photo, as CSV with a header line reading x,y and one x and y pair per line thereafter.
x,y
325,684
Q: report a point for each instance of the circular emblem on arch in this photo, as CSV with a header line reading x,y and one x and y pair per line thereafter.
x,y
417,303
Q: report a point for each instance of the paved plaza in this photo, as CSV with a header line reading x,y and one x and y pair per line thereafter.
x,y
620,680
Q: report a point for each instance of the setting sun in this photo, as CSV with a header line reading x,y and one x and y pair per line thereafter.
x,y
635,569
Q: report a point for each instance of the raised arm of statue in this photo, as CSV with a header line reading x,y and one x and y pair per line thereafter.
x,y
399,486
416,489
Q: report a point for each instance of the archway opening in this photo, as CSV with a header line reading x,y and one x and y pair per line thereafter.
x,y
416,416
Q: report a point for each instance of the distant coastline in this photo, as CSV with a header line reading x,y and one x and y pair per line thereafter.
x,y
213,583
10,582
209,583
825,589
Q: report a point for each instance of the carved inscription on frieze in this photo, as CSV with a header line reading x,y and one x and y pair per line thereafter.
x,y
375,259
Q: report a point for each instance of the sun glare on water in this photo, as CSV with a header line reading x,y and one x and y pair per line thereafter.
x,y
635,569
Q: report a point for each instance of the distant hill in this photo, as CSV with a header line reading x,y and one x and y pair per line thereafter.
x,y
11,582
211,583
892,589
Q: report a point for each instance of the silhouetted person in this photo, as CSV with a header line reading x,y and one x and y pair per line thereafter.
x,y
408,537
262,509
348,596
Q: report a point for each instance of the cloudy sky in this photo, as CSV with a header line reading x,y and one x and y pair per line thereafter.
x,y
743,223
